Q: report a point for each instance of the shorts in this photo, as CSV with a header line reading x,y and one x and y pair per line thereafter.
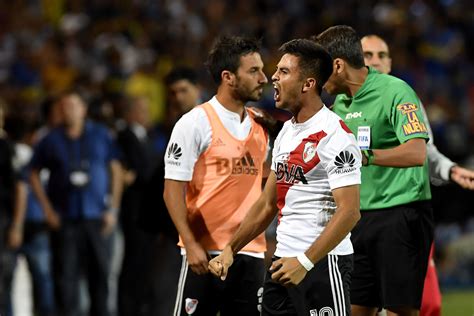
x,y
391,249
324,291
206,294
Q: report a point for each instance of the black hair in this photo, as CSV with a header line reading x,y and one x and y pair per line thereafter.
x,y
226,52
313,60
342,41
181,73
47,107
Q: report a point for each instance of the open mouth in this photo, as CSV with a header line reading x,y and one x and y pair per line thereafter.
x,y
276,95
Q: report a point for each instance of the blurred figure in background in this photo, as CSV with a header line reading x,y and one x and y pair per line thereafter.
x,y
81,201
52,117
7,192
28,233
183,93
139,163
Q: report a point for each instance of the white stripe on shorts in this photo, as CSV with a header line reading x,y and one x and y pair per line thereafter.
x,y
181,283
336,286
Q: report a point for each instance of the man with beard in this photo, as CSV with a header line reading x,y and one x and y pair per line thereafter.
x,y
315,188
214,165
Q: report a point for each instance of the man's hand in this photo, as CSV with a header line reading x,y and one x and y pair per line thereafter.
x,y
129,177
109,220
288,271
197,257
52,219
15,237
219,266
462,176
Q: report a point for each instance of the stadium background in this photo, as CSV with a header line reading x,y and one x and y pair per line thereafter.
x,y
107,49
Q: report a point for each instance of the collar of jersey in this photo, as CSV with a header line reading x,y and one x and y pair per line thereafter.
x,y
365,86
312,121
222,109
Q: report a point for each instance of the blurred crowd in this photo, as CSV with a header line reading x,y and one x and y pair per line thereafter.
x,y
117,55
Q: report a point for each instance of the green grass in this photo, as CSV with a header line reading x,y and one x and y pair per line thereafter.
x,y
458,303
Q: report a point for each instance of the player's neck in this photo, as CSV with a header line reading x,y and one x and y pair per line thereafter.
x,y
355,79
231,104
75,130
308,110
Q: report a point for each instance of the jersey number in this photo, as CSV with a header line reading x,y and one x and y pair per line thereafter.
x,y
325,311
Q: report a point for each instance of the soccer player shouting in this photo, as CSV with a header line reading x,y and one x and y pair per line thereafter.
x,y
314,186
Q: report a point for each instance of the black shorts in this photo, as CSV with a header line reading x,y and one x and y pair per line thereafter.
x,y
324,291
206,294
391,249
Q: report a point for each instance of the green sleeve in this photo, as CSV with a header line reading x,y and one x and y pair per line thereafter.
x,y
406,115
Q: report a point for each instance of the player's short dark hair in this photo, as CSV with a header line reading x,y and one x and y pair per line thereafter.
x,y
342,41
226,52
313,60
181,73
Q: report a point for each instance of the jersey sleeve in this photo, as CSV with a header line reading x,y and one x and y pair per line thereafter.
x,y
406,114
439,164
188,140
341,158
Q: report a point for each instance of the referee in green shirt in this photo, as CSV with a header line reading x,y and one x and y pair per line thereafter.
x,y
392,240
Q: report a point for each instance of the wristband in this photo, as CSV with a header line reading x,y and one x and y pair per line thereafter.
x,y
305,262
369,154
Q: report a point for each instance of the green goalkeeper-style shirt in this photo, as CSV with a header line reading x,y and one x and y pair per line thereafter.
x,y
384,113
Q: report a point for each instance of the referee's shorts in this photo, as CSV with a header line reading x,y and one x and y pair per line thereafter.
x,y
391,249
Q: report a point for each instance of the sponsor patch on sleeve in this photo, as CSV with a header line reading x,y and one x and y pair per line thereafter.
x,y
406,108
414,126
173,155
344,162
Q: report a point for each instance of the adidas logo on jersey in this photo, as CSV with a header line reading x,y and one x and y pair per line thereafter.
x,y
344,162
174,151
237,165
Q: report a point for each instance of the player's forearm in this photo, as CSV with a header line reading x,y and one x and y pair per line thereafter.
x,y
337,229
39,192
343,221
409,154
116,184
19,208
174,197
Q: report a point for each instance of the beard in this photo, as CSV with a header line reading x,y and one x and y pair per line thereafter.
x,y
246,94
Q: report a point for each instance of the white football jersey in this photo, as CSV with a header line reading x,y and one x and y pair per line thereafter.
x,y
311,159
